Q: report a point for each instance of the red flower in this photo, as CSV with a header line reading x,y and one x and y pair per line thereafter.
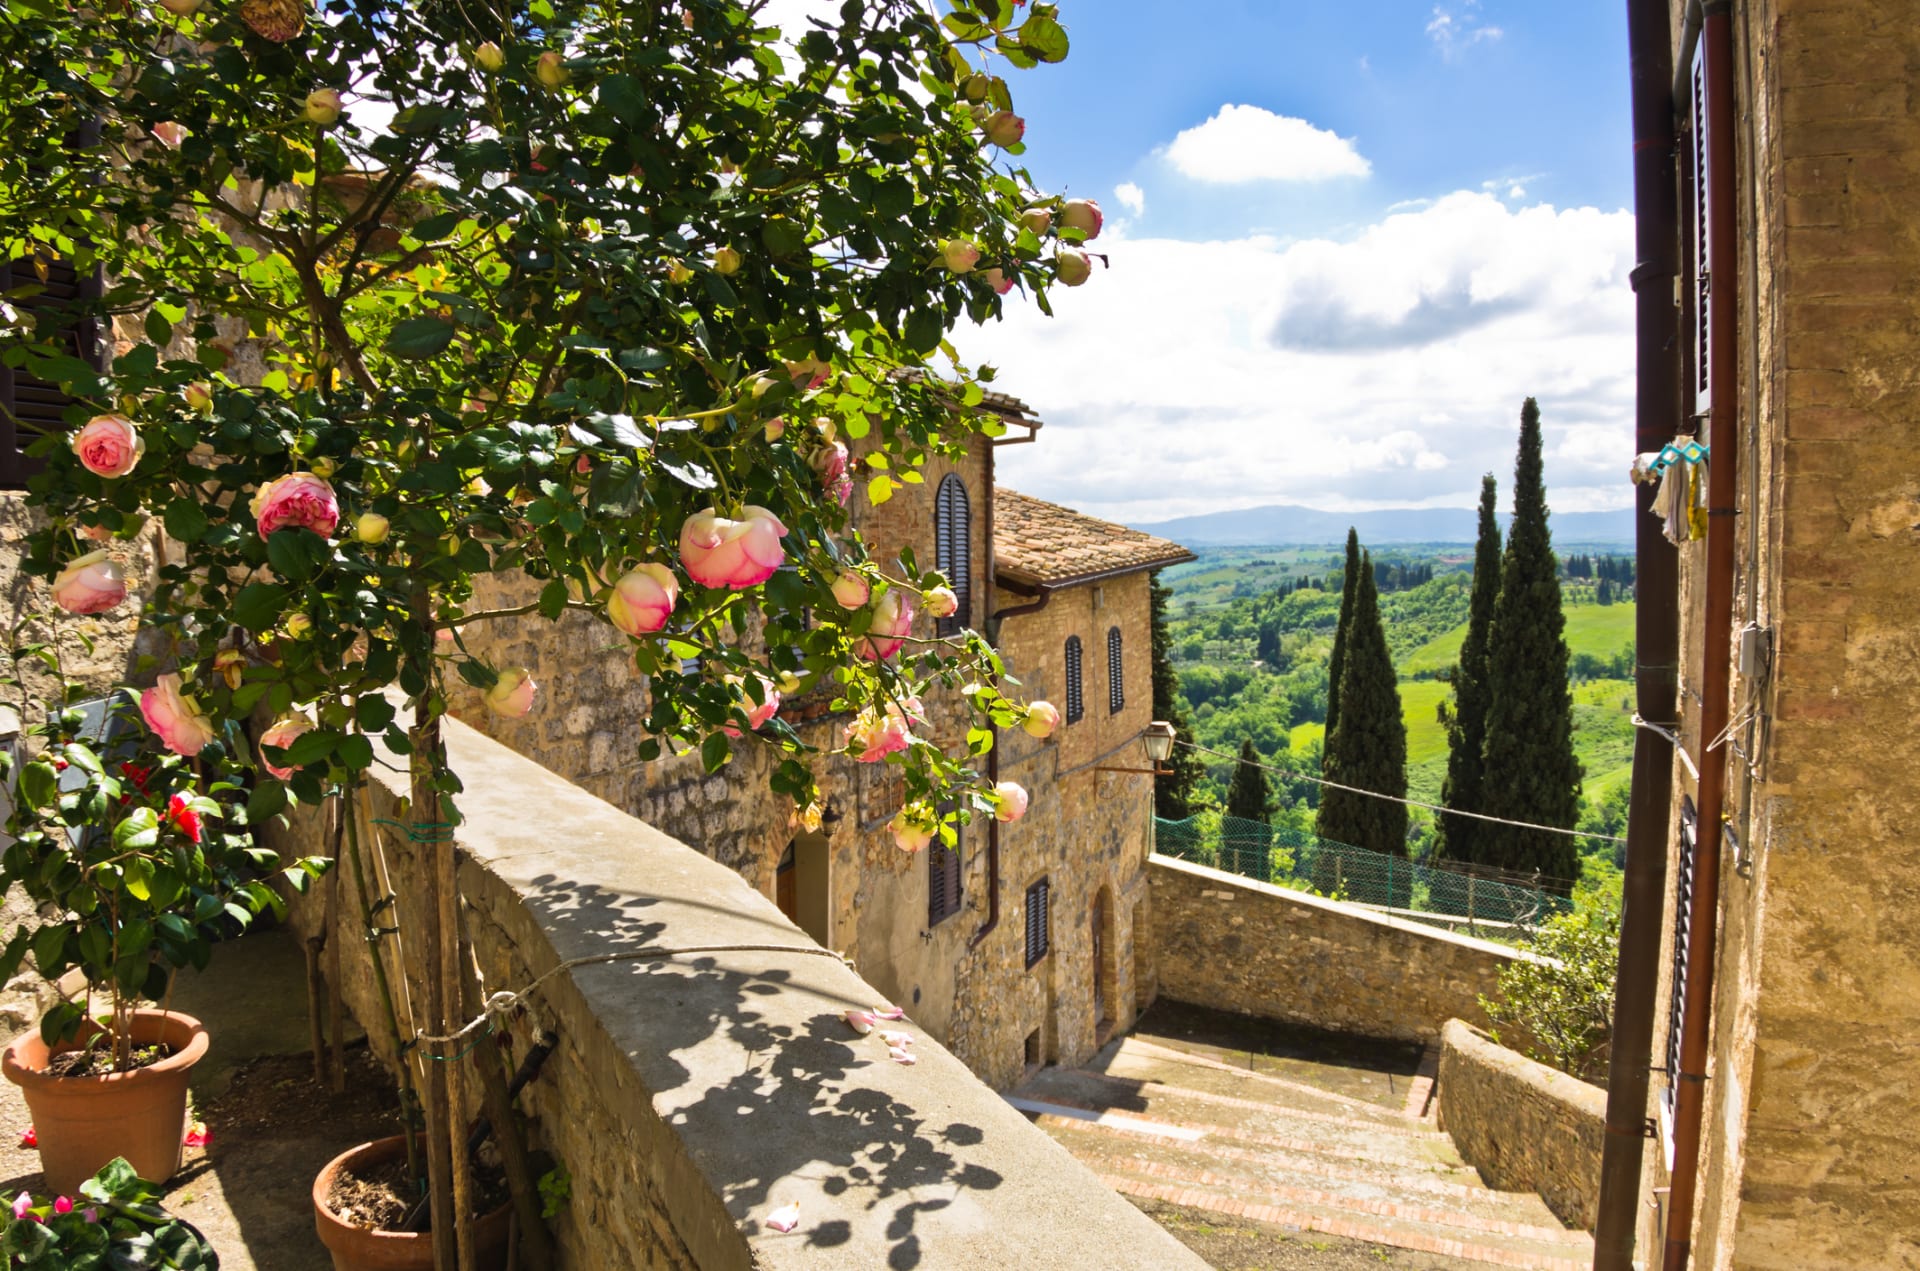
x,y
198,1135
28,1138
136,774
183,817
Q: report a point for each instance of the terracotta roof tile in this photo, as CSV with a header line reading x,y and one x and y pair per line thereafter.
x,y
1038,543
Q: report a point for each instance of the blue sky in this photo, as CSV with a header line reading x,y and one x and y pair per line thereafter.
x,y
1344,239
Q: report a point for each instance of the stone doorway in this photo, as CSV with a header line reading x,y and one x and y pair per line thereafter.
x,y
802,887
1102,968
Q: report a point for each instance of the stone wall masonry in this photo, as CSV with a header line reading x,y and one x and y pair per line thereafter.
x,y
1523,1125
691,1097
1233,943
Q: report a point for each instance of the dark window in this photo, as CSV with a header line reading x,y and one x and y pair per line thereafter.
x,y
1682,904
1076,700
1038,904
1697,294
953,550
1116,682
31,407
943,880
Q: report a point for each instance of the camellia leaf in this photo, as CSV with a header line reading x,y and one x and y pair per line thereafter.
x,y
420,337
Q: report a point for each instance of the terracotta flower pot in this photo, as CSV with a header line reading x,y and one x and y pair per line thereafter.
x,y
361,1249
84,1122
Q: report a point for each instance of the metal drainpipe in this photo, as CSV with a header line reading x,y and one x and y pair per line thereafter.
x,y
1656,635
993,753
1723,270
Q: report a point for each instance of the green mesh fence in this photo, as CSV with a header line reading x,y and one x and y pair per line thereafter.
x,y
1276,854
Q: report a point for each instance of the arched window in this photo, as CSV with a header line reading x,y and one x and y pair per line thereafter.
x,y
952,550
1076,701
1116,683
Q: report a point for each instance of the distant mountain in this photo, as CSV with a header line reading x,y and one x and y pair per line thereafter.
x,y
1280,524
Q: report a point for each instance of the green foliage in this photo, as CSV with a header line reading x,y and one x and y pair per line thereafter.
x,y
1467,724
1562,1000
1248,795
556,1189
115,1224
1366,747
1336,663
1173,795
1532,774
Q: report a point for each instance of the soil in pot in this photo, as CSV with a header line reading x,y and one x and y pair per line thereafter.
x,y
380,1194
97,1061
368,1184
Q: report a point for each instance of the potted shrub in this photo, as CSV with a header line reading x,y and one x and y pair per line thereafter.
x,y
139,860
114,1221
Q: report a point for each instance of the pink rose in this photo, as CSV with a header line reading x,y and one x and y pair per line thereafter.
x,y
1004,128
322,107
959,256
22,1206
511,696
170,134
998,280
851,590
776,428
830,462
892,620
882,731
175,718
109,445
756,714
1083,215
642,599
297,499
1072,266
199,397
1037,219
913,828
283,734
718,552
552,70
940,601
89,584
1013,801
809,372
1042,719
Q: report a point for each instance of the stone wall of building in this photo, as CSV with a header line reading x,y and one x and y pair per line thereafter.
x,y
691,1096
1524,1126
1233,943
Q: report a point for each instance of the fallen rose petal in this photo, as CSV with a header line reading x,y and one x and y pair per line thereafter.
x,y
198,1135
28,1138
860,1021
894,1038
785,1218
900,1056
888,1012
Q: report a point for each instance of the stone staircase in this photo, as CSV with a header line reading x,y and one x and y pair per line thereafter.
x,y
1288,1142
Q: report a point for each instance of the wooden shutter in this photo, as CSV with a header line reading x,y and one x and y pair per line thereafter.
x,y
31,407
1038,902
944,877
953,550
1076,701
1116,682
1698,287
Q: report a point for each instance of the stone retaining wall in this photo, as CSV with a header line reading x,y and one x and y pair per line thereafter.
x,y
690,1097
1230,942
1523,1125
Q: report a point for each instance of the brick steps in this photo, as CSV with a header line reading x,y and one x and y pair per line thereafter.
x,y
1137,1059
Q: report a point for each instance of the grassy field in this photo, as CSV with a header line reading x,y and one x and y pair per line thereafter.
x,y
1602,630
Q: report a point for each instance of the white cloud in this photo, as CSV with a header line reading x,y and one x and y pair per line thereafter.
x,y
1383,370
1131,197
1246,143
1516,191
1454,30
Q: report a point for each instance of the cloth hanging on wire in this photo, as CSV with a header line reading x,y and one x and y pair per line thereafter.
x,y
1681,500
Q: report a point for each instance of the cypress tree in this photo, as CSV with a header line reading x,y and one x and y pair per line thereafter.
x,y
1247,793
1337,662
1367,749
1467,730
1172,796
1529,771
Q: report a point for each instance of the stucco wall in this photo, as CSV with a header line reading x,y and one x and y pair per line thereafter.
x,y
1523,1125
1233,943
690,1097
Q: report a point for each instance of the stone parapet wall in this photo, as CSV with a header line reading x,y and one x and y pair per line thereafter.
x,y
692,1096
1233,943
1523,1125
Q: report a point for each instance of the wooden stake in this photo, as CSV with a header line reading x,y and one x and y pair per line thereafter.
x,y
530,1237
336,997
441,1117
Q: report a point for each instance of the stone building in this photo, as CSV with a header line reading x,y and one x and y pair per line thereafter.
x,y
1016,949
1796,842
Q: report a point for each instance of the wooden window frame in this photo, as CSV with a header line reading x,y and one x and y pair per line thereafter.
x,y
1039,922
15,466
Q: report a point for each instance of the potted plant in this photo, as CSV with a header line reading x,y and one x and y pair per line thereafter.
x,y
113,1221
138,860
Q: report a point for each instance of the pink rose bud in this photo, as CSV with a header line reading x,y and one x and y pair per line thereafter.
x,y
89,584
913,829
759,712
1004,128
552,70
489,57
1072,266
998,280
726,261
830,463
231,666
170,134
323,467
882,731
283,734
299,499
371,528
175,718
679,273
1013,801
181,8
22,1206
718,552
511,696
322,107
776,428
959,255
892,620
851,590
198,397
62,1205
109,445
809,372
940,601
643,598
1042,719
1037,219
298,626
1083,215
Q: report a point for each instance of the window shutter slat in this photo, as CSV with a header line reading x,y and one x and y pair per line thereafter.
x,y
1076,700
953,550
1116,680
